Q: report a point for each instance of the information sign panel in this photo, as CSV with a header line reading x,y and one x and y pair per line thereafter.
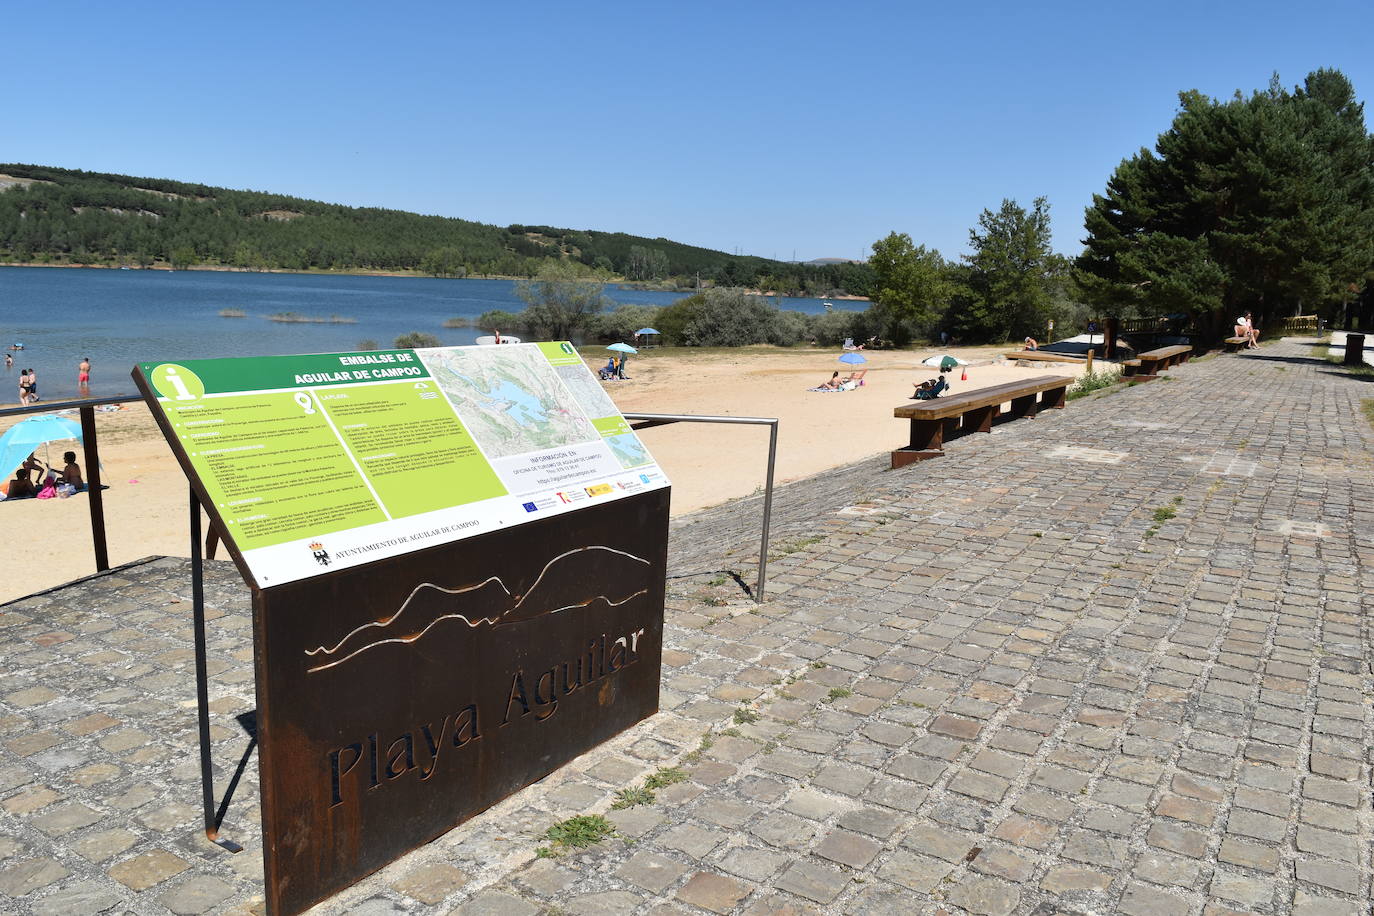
x,y
339,459
457,559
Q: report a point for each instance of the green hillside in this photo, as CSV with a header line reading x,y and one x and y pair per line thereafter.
x,y
52,215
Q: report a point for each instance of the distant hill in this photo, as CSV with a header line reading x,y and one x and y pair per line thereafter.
x,y
67,216
822,262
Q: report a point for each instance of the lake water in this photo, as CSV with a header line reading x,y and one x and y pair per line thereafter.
x,y
120,317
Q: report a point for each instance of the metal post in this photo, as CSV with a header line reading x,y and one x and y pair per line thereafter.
x,y
767,510
95,498
646,420
207,772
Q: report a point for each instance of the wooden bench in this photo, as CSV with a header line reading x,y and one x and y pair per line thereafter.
x,y
1130,367
1236,344
935,420
1154,360
1044,356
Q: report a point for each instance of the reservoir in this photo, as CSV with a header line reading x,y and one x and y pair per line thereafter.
x,y
119,317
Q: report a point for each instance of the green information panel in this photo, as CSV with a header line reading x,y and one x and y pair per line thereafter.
x,y
327,461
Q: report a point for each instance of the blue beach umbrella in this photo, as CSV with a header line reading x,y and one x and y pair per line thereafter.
x,y
646,331
852,358
31,432
622,348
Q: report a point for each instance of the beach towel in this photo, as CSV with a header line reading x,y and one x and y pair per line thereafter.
x,y
827,389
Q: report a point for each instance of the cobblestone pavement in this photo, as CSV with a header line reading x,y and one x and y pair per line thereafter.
x,y
1114,660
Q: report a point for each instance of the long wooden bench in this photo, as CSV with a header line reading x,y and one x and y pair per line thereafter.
x,y
1153,361
935,420
1236,344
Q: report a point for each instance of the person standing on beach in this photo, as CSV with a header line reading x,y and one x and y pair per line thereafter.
x,y
33,386
83,375
23,387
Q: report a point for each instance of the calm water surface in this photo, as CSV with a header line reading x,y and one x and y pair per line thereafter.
x,y
120,317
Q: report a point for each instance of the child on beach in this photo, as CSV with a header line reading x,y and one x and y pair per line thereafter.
x,y
21,486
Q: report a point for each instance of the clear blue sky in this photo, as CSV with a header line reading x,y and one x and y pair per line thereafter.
x,y
769,127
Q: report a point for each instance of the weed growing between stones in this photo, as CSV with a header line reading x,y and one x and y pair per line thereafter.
x,y
632,798
575,833
1367,407
745,716
794,546
1162,514
664,777
691,757
838,693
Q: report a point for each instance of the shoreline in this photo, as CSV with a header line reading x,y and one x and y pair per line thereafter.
x,y
224,268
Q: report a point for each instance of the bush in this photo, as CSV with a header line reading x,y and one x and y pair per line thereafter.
x,y
416,340
500,318
1094,380
829,329
789,329
622,322
726,318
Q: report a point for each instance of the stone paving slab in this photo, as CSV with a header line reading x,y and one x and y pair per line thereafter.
x,y
1114,659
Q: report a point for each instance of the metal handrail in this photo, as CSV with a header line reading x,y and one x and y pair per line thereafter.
x,y
647,420
91,453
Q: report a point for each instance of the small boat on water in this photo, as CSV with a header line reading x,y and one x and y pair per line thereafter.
x,y
489,340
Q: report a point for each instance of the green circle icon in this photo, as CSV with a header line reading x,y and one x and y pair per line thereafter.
x,y
177,383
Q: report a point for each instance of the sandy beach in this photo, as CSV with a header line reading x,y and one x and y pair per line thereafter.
x,y
49,541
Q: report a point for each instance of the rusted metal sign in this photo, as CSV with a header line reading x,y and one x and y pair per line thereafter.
x,y
395,702
457,573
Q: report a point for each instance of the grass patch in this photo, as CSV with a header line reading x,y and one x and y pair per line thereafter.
x,y
1367,408
745,716
799,544
576,833
1361,371
632,798
664,777
1164,513
839,693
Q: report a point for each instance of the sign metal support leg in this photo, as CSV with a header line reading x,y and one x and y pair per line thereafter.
x,y
207,773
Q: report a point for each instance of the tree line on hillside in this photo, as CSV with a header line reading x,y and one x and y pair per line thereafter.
x,y
70,216
1262,204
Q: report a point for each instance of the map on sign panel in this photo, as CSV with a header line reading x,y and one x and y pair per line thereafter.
x,y
513,401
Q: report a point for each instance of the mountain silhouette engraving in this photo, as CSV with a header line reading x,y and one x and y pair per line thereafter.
x,y
573,579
